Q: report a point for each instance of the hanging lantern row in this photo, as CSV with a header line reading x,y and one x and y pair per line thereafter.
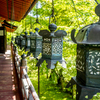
x,y
31,43
36,43
50,44
88,50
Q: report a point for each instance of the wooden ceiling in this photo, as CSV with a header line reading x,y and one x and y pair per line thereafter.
x,y
15,10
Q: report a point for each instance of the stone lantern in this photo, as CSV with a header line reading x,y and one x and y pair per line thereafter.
x,y
52,45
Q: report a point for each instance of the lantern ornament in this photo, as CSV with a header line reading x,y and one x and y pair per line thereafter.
x,y
35,43
52,46
88,53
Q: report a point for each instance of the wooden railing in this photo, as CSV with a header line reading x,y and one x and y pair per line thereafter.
x,y
26,88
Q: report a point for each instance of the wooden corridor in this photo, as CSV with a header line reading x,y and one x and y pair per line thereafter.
x,y
8,79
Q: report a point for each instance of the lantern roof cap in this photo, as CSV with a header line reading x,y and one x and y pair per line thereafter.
x,y
89,34
37,29
52,28
36,34
23,56
31,33
25,33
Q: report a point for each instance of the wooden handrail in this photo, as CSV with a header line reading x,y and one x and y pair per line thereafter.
x,y
27,88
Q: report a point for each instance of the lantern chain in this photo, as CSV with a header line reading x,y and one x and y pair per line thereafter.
x,y
37,21
96,1
52,15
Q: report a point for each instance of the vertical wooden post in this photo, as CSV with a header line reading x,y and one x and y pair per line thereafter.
x,y
12,48
22,66
14,54
24,62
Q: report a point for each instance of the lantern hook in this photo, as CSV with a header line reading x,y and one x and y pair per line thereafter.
x,y
72,36
37,19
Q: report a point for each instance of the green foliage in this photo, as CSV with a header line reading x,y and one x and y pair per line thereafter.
x,y
48,89
96,97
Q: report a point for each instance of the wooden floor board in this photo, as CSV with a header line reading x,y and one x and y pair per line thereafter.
x,y
8,82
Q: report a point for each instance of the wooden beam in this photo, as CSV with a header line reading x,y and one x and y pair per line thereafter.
x,y
33,3
7,9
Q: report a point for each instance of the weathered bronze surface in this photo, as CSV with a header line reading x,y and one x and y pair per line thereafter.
x,y
88,60
35,43
88,53
89,34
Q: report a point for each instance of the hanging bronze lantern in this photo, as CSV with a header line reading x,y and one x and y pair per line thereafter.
x,y
35,43
52,45
88,53
27,42
16,40
19,38
23,41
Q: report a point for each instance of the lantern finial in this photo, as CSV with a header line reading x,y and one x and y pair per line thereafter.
x,y
97,10
26,33
31,33
52,27
23,56
37,29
